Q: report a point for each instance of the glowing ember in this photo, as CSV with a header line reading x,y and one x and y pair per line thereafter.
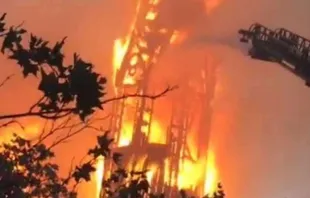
x,y
99,175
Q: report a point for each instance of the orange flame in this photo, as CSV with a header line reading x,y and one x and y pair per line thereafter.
x,y
190,172
156,134
151,171
211,174
126,134
99,175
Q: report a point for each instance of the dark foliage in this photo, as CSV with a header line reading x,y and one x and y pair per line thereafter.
x,y
66,89
27,170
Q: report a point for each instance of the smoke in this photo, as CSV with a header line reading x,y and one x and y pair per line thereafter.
x,y
261,110
182,14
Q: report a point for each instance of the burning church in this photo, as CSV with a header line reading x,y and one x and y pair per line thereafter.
x,y
174,147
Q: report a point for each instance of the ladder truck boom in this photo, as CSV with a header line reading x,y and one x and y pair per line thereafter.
x,y
280,45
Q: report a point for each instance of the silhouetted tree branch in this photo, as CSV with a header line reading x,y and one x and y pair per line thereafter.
x,y
5,80
12,121
67,111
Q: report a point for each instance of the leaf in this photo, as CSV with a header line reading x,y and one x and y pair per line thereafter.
x,y
83,172
3,17
30,69
58,46
10,39
102,80
22,31
49,171
43,152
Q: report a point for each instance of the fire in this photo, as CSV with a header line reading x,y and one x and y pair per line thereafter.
x,y
157,135
193,173
211,177
151,171
126,135
120,48
99,175
119,51
166,170
190,174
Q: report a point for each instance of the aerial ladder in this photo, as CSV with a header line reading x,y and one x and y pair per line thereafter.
x,y
281,46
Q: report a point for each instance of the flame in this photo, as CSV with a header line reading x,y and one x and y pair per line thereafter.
x,y
166,170
191,172
157,135
151,172
120,48
126,134
119,51
211,174
99,175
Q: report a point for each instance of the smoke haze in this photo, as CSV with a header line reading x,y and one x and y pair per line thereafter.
x,y
262,112
260,129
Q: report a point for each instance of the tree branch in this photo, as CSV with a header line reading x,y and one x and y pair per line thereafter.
x,y
6,79
66,111
69,126
72,132
12,122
